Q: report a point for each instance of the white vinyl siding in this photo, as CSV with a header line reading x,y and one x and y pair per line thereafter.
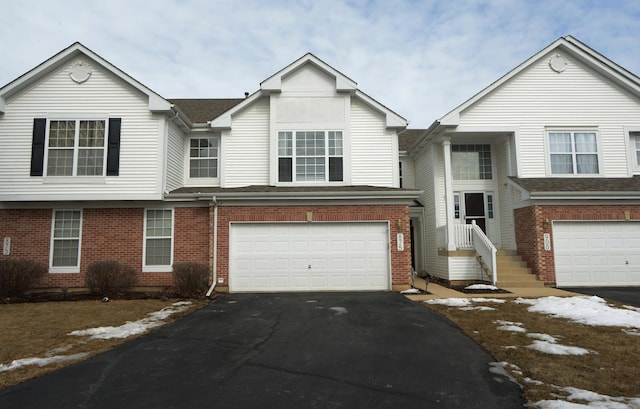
x,y
408,173
102,96
245,149
538,99
175,158
66,234
374,149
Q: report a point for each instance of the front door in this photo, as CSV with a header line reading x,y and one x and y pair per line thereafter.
x,y
474,209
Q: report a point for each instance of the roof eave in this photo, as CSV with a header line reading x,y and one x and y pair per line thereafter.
x,y
274,196
621,195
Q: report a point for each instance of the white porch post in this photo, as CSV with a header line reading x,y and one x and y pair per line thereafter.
x,y
448,194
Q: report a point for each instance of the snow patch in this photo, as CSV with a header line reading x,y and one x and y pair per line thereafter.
x,y
557,349
509,326
463,302
410,291
595,401
589,310
500,368
339,310
543,337
19,363
153,320
479,308
482,287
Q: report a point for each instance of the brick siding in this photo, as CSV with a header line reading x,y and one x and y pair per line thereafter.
x,y
531,225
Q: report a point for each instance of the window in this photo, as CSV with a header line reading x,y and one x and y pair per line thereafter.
x,y
471,162
573,153
158,242
635,147
310,156
456,206
203,157
490,206
400,172
76,148
65,239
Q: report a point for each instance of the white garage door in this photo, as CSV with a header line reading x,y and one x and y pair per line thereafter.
x,y
597,253
270,257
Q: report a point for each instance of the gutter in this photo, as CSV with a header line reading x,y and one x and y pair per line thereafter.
x,y
214,270
270,196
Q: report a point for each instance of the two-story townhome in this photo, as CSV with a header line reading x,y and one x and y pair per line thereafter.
x,y
295,187
544,165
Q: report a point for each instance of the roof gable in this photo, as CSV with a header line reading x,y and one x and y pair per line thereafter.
x,y
342,84
156,102
572,47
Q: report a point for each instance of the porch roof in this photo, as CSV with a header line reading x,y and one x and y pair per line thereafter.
x,y
201,110
579,187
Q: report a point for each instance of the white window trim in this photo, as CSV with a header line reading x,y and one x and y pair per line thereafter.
x,y
157,268
76,148
325,182
188,180
65,269
572,130
633,136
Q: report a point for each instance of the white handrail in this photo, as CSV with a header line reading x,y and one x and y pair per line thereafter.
x,y
485,249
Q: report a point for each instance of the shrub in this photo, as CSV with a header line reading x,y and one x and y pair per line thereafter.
x,y
110,277
191,279
19,276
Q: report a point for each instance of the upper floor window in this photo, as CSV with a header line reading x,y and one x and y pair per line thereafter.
x,y
471,162
203,157
573,153
310,156
76,148
635,148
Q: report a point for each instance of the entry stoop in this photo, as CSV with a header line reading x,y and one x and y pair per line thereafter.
x,y
513,271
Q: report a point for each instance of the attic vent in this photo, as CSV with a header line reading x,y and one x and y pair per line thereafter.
x,y
80,72
558,63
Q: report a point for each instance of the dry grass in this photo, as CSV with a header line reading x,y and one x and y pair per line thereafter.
x,y
612,371
34,330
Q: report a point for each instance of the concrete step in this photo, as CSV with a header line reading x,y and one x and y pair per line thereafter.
x,y
517,277
510,263
520,284
507,253
514,270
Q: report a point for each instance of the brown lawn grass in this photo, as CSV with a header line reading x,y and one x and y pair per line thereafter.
x,y
35,329
613,371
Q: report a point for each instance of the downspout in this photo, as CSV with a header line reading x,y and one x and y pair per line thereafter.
x,y
214,270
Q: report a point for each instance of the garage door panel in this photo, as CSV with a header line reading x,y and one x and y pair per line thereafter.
x,y
597,253
342,256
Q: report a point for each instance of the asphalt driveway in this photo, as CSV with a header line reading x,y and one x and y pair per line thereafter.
x,y
624,295
329,350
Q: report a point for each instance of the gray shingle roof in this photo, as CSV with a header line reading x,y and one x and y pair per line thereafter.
x,y
408,137
532,185
203,110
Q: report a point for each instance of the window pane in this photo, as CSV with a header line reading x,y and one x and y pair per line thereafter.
x,y
65,253
203,168
587,163
91,134
158,223
310,169
90,162
561,164
60,162
559,142
285,172
66,238
335,143
285,143
158,252
586,142
62,134
310,143
335,169
471,162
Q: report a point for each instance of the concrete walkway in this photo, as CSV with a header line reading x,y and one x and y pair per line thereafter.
x,y
439,291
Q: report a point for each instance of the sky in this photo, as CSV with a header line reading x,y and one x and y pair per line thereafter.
x,y
418,58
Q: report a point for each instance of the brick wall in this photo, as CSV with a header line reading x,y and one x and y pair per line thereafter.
x,y
107,234
400,260
530,227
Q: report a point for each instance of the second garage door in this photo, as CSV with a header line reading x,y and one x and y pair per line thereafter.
x,y
270,257
597,253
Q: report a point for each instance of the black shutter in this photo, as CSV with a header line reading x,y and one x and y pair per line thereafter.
x,y
37,146
113,147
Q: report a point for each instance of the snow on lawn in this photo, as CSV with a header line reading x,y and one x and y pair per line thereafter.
x,y
596,401
462,302
589,310
18,363
153,320
510,326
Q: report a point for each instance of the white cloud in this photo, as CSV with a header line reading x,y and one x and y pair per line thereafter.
x,y
419,58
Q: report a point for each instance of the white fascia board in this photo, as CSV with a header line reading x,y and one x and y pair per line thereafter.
x,y
3,105
297,196
453,117
274,82
224,120
393,120
80,197
156,102
585,195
